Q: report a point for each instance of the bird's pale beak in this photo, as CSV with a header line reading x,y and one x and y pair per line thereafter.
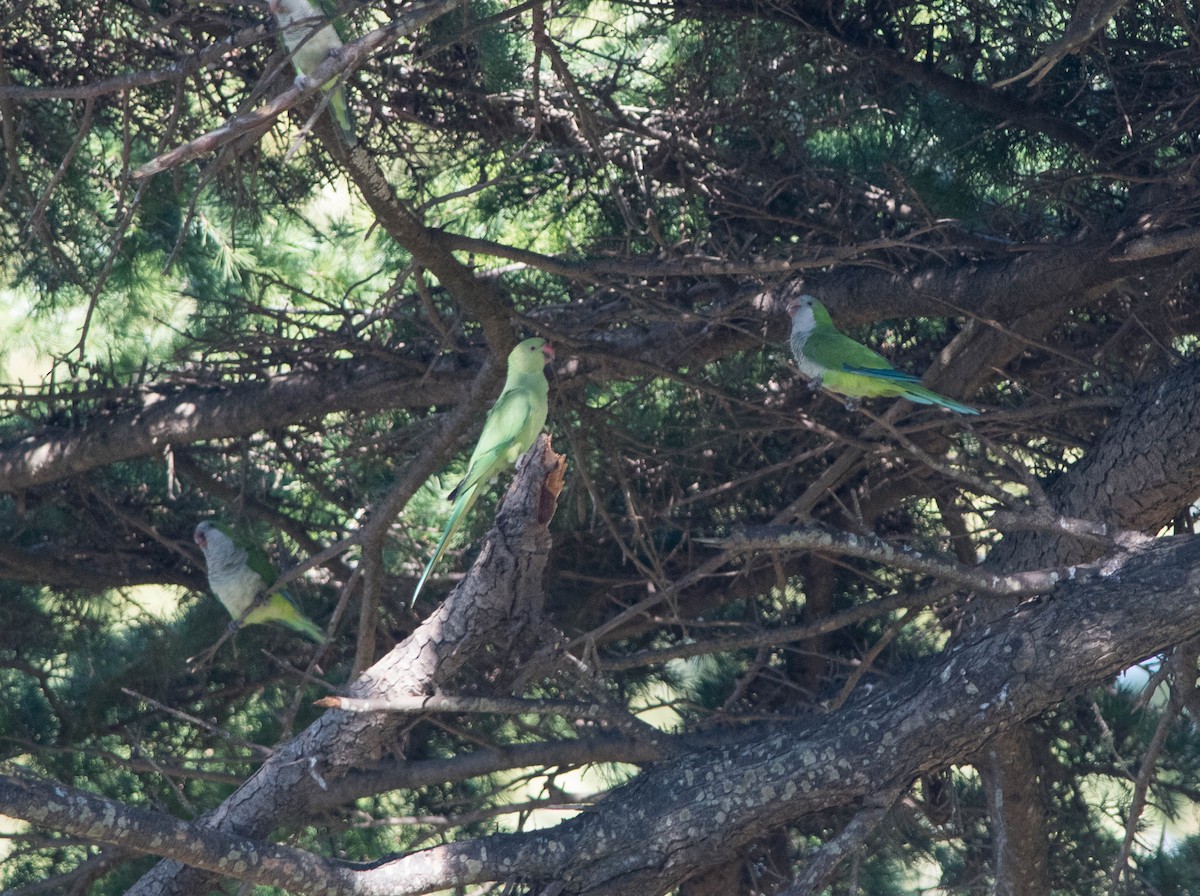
x,y
548,351
200,539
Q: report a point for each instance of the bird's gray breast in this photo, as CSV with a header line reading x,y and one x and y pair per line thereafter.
x,y
809,368
231,578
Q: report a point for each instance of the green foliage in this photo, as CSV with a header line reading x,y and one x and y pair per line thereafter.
x,y
1174,870
635,180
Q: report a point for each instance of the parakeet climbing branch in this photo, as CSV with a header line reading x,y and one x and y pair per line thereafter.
x,y
352,55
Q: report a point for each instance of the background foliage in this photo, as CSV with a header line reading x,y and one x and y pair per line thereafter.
x,y
265,333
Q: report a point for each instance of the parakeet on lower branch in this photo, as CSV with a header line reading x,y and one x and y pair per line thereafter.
x,y
240,575
310,37
510,429
838,363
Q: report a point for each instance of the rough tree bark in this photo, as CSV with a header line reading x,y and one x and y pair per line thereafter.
x,y
687,815
693,813
499,597
1144,472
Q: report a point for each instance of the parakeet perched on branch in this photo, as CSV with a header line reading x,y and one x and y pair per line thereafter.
x,y
510,429
310,37
838,363
240,575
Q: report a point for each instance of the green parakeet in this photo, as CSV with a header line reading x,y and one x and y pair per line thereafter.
x,y
510,429
839,364
310,38
239,574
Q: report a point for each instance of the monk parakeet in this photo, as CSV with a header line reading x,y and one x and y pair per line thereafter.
x,y
239,574
510,428
310,38
841,365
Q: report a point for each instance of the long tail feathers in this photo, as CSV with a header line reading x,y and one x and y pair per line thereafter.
x,y
281,609
306,627
461,506
921,395
340,110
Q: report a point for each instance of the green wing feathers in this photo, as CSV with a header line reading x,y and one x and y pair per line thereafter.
x,y
508,420
852,369
896,383
258,561
339,109
501,437
509,430
829,348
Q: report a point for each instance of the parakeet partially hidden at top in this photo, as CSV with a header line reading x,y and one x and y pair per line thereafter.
x,y
240,575
310,38
838,363
510,429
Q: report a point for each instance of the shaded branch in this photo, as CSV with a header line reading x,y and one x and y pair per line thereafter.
x,y
351,56
821,865
451,703
413,775
814,537
203,59
683,816
1089,17
99,820
194,413
491,607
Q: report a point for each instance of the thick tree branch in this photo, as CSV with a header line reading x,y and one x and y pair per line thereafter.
x,y
194,413
1141,474
1138,478
98,820
686,815
491,606
400,774
451,703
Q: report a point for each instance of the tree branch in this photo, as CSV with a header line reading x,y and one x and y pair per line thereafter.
x,y
492,606
681,817
814,537
685,815
195,413
99,820
1008,288
351,56
452,703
